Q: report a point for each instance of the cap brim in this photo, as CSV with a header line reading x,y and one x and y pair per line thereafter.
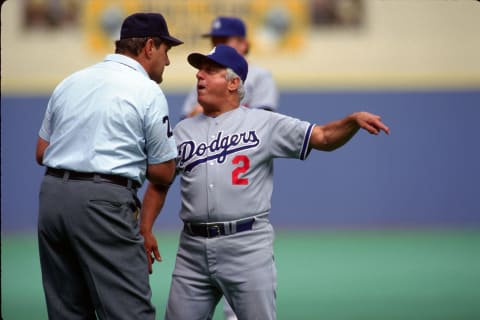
x,y
172,41
196,60
220,34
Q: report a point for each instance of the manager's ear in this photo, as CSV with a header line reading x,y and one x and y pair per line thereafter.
x,y
234,84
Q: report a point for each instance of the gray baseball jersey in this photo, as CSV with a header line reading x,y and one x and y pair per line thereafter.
x,y
226,162
225,166
260,92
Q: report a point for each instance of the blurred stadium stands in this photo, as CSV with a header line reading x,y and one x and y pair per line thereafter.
x,y
342,44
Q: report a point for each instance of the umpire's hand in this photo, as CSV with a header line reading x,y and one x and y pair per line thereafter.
x,y
152,204
151,248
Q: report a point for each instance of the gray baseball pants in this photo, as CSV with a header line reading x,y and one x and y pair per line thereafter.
x,y
240,266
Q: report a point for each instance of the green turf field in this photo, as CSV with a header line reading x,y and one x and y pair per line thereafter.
x,y
343,275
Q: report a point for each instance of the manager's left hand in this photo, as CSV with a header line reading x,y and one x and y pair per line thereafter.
x,y
371,122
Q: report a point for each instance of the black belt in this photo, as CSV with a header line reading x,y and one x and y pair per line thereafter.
x,y
92,176
212,230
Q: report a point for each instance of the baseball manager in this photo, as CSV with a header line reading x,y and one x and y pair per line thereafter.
x,y
225,166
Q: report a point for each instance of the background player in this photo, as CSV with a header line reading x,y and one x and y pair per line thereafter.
x,y
105,130
226,176
260,88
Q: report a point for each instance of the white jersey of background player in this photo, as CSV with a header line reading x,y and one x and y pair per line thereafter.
x,y
225,165
260,88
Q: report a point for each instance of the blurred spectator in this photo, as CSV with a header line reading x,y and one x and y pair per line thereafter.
x,y
336,12
50,13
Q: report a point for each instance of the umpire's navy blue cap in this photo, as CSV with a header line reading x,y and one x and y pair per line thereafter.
x,y
223,55
227,27
139,25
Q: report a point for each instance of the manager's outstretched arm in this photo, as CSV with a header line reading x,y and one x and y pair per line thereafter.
x,y
335,134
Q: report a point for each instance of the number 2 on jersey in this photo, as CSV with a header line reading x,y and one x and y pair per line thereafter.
x,y
244,166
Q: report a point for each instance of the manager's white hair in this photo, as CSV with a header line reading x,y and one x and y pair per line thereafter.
x,y
241,88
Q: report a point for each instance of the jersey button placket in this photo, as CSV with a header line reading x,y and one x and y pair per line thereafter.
x,y
211,163
210,168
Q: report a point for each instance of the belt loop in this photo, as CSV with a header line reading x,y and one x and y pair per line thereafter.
x,y
96,178
129,183
227,228
66,175
189,227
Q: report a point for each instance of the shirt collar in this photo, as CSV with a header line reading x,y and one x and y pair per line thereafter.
x,y
129,62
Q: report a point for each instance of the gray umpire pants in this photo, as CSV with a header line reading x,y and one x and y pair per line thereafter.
x,y
91,253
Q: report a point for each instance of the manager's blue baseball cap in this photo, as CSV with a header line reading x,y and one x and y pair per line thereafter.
x,y
223,55
139,25
227,27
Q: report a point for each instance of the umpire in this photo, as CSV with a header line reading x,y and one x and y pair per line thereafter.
x,y
106,129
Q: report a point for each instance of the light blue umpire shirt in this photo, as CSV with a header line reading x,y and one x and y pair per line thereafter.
x,y
108,118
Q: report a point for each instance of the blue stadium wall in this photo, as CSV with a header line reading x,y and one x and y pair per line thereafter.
x,y
425,174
